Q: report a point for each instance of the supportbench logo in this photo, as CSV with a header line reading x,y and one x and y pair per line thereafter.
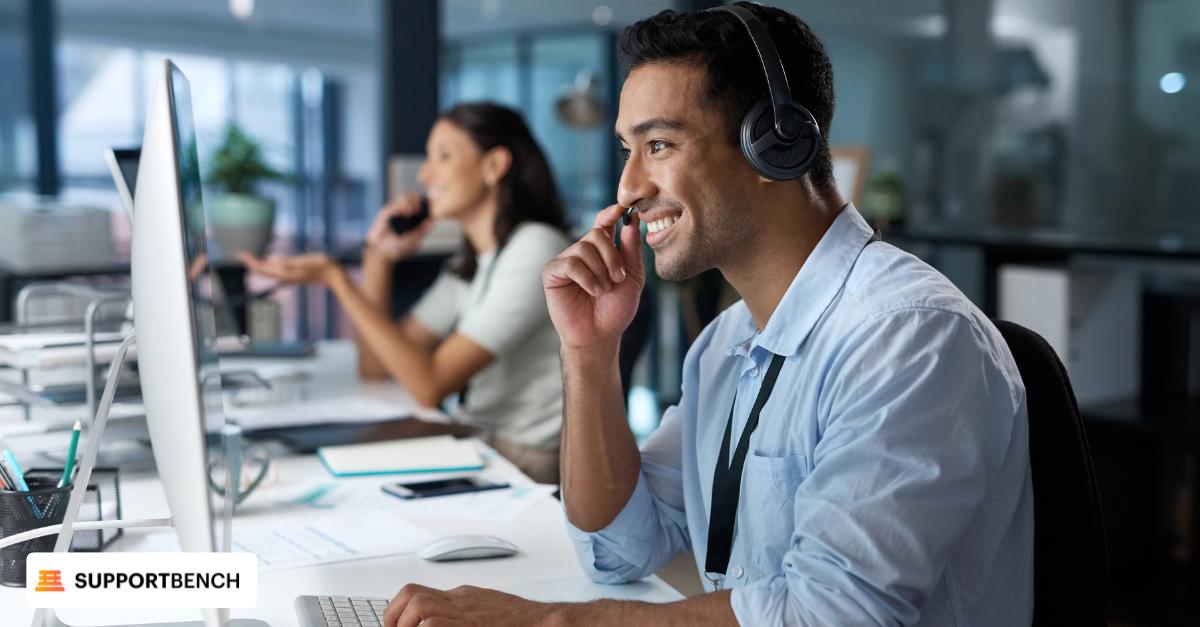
x,y
134,580
49,581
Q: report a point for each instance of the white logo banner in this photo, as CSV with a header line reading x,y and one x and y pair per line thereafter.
x,y
137,580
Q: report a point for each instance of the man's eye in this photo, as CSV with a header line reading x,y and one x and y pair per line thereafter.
x,y
656,145
623,153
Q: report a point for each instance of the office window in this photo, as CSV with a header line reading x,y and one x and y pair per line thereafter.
x,y
525,54
577,155
103,105
481,71
1069,115
302,83
17,143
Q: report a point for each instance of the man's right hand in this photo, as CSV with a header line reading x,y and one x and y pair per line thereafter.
x,y
592,289
384,242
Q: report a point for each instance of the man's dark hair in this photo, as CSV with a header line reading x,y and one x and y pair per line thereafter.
x,y
717,41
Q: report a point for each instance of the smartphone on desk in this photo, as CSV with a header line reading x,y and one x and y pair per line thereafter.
x,y
442,487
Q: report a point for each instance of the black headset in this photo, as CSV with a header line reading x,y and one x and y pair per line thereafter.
x,y
779,137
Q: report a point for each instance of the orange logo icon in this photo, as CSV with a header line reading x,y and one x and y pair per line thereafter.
x,y
49,581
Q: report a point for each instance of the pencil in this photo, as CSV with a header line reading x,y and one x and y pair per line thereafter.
x,y
70,465
18,477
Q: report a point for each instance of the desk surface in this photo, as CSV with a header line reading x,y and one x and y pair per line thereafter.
x,y
545,569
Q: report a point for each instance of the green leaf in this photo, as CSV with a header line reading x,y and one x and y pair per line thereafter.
x,y
237,167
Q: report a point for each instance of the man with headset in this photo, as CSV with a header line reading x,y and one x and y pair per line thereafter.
x,y
851,445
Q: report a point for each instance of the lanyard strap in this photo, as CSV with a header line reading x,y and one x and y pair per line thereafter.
x,y
727,478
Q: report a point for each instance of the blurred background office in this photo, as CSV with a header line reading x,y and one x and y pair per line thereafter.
x,y
1044,154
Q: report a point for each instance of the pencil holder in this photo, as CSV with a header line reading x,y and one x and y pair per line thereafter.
x,y
45,504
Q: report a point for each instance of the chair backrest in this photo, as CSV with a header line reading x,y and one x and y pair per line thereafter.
x,y
1070,555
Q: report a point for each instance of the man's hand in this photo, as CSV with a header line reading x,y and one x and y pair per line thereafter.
x,y
307,268
592,289
465,605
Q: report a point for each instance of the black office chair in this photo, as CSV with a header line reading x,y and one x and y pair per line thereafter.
x,y
1070,553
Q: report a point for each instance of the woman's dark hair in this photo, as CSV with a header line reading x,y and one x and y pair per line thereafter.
x,y
527,192
719,43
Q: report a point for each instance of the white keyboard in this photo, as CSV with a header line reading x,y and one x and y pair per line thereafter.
x,y
339,611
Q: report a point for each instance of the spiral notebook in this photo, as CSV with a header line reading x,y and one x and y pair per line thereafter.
x,y
440,453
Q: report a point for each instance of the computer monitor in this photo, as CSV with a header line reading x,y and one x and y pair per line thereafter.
x,y
123,166
176,339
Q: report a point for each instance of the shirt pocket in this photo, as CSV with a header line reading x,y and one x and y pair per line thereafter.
x,y
766,514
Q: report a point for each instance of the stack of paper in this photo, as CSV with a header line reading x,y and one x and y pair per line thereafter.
x,y
440,453
52,350
337,409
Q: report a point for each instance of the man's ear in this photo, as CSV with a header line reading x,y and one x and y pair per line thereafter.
x,y
496,163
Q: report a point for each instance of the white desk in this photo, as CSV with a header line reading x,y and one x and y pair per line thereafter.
x,y
545,569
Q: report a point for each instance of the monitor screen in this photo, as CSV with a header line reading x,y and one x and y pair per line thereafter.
x,y
127,163
199,271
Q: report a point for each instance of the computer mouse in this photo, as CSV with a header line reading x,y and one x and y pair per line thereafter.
x,y
467,547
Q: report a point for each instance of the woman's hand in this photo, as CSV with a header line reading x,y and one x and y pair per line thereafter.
x,y
307,268
592,289
384,242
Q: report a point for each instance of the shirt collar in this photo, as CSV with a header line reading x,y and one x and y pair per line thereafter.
x,y
812,291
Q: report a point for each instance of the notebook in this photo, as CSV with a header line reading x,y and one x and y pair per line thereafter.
x,y
441,453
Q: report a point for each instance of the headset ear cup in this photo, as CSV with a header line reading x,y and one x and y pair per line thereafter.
x,y
773,157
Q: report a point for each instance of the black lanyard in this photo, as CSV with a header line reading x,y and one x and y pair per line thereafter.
x,y
727,479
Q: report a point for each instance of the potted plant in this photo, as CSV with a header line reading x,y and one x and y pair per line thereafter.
x,y
242,219
885,199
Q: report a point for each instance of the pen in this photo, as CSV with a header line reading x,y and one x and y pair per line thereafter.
x,y
6,479
70,465
18,477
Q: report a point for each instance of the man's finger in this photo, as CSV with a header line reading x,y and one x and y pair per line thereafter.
x,y
567,270
608,216
590,255
602,242
391,614
422,606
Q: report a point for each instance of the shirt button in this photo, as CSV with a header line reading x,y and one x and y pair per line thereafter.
x,y
754,372
738,572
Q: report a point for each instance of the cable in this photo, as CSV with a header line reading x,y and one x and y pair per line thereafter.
x,y
85,526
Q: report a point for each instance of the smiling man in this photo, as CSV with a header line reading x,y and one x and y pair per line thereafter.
x,y
851,443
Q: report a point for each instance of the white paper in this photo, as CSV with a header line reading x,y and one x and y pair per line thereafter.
x,y
35,341
29,350
322,540
339,409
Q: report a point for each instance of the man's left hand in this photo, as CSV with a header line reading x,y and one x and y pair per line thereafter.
x,y
465,605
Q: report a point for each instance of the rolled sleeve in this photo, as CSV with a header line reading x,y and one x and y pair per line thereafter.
x,y
652,527
618,553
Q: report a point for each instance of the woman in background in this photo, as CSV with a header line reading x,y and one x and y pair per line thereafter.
x,y
482,331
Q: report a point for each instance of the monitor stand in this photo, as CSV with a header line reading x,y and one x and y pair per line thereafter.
x,y
49,618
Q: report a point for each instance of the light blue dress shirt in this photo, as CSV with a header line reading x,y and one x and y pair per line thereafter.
x,y
888,480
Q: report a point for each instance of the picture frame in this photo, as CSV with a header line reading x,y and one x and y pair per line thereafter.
x,y
850,171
